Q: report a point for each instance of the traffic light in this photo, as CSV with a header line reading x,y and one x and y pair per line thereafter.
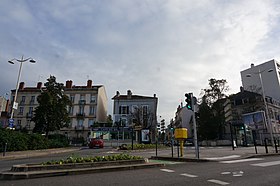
x,y
189,104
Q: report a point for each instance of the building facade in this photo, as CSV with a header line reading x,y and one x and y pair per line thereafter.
x,y
136,111
183,119
89,105
266,75
245,116
4,102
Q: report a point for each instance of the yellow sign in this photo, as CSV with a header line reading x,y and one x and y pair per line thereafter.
x,y
181,133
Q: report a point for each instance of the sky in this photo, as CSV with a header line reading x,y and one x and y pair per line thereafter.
x,y
162,47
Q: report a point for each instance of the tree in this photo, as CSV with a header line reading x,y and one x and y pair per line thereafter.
x,y
51,114
211,120
217,90
142,117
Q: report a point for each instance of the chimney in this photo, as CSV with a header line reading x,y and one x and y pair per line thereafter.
x,y
155,95
21,86
68,84
129,94
252,65
241,89
89,83
39,85
118,94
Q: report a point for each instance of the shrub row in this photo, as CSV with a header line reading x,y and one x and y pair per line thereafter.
x,y
19,141
144,146
77,159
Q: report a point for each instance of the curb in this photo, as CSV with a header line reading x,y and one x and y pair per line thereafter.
x,y
179,159
8,175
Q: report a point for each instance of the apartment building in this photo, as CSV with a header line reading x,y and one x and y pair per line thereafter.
x,y
89,105
3,111
266,76
125,108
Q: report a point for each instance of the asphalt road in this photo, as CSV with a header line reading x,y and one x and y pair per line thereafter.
x,y
256,172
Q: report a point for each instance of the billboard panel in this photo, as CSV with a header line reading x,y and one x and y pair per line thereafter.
x,y
254,120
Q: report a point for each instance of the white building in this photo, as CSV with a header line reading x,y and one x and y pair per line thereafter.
x,y
125,107
89,105
269,73
183,119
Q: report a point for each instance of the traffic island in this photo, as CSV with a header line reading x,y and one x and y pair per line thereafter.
x,y
28,171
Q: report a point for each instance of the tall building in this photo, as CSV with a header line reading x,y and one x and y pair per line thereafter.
x,y
3,111
128,108
89,105
268,73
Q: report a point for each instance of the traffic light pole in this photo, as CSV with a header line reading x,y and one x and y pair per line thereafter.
x,y
194,129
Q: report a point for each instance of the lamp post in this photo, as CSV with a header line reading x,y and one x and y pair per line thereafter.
x,y
21,61
265,104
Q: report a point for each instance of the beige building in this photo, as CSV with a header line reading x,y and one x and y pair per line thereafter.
x,y
89,105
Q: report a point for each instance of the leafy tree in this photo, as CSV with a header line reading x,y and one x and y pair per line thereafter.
x,y
51,114
216,91
109,120
211,120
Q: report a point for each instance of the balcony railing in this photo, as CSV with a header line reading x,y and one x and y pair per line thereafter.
x,y
29,115
79,128
80,115
82,102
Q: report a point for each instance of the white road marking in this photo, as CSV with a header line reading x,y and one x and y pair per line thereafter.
x,y
242,160
218,182
167,170
225,173
189,175
223,157
239,173
266,164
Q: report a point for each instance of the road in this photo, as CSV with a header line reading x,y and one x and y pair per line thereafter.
x,y
256,172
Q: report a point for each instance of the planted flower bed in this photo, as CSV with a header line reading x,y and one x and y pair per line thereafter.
x,y
75,162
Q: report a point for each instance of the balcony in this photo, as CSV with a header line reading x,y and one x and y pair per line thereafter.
x,y
79,128
80,115
29,115
82,102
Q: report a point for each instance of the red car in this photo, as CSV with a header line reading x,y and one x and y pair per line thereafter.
x,y
96,142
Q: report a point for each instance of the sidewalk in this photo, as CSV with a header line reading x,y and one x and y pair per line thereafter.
x,y
218,153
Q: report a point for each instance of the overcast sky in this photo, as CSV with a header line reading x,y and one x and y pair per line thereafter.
x,y
162,47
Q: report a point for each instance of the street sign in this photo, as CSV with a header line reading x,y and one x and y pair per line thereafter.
x,y
11,123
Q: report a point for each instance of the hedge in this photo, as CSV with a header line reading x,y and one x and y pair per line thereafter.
x,y
19,141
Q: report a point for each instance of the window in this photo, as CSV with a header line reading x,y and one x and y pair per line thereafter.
x,y
145,110
72,98
30,110
22,100
32,100
20,111
92,98
134,108
81,109
90,122
70,110
123,109
82,97
80,123
18,122
91,110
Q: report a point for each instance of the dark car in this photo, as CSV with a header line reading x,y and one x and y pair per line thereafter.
x,y
96,143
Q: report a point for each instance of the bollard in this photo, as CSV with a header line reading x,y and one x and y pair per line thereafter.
x,y
265,145
5,149
156,147
275,144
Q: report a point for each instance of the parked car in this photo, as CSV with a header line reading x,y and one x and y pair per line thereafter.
x,y
96,143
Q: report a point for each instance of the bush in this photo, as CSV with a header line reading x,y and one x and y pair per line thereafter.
x,y
144,146
19,141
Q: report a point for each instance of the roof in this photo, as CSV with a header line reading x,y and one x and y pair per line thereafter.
x,y
132,97
245,94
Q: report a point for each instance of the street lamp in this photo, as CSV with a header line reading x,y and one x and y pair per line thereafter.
x,y
21,61
265,104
